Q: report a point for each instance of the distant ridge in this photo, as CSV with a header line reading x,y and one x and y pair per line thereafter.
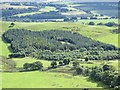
x,y
59,0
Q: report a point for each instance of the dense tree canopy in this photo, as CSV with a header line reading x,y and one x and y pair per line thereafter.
x,y
57,45
33,66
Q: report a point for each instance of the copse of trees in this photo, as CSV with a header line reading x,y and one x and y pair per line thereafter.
x,y
91,23
30,3
116,31
100,23
76,64
109,24
66,61
107,77
45,15
61,63
12,25
103,74
67,45
33,66
12,11
63,10
15,3
57,6
67,39
34,18
79,70
73,19
54,64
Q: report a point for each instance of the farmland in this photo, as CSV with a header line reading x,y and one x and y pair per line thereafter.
x,y
40,52
55,80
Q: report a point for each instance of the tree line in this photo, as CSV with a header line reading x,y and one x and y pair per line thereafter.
x,y
105,74
7,13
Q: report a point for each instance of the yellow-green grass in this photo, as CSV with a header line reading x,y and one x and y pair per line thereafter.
x,y
3,46
40,25
4,26
4,51
101,33
110,39
71,8
47,9
45,80
20,61
76,12
115,64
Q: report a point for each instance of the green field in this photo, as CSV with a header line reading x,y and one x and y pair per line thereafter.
x,y
21,61
45,79
51,79
4,49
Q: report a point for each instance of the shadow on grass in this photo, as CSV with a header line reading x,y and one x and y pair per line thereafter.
x,y
99,84
9,48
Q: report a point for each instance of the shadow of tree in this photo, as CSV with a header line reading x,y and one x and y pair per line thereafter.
x,y
99,84
9,48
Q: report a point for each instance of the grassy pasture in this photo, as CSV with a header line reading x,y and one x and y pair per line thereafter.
x,y
4,49
21,61
58,78
76,12
45,79
47,9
